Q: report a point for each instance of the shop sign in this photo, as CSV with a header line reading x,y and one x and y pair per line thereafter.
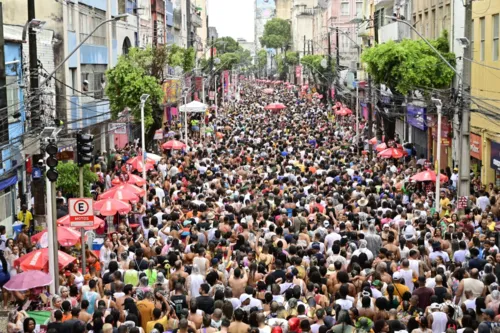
x,y
495,155
445,131
416,117
475,146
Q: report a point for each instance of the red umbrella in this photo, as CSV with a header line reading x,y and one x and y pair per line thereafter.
x,y
110,207
383,146
343,112
136,162
268,91
174,145
124,188
65,236
374,140
120,194
275,106
64,221
139,166
39,260
428,176
392,153
132,179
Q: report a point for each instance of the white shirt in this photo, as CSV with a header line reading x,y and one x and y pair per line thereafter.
x,y
331,238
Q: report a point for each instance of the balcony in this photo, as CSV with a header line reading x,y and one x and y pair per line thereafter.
x,y
395,31
306,11
196,21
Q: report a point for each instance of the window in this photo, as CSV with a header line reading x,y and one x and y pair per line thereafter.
x,y
482,26
89,20
73,79
496,28
359,7
344,7
472,40
12,97
71,26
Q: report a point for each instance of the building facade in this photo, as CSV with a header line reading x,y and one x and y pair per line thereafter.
x,y
265,10
485,128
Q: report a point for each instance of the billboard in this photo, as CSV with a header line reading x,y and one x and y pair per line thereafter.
x,y
172,91
416,117
264,11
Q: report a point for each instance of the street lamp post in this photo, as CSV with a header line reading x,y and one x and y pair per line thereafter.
x,y
144,98
116,18
439,106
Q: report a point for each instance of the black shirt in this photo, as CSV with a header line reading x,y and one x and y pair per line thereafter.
x,y
206,304
180,303
141,265
279,274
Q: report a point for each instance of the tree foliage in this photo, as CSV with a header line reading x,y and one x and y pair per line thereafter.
x,y
68,183
284,61
277,34
226,45
410,64
127,81
313,62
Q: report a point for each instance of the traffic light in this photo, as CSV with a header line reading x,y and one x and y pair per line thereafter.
x,y
84,148
51,162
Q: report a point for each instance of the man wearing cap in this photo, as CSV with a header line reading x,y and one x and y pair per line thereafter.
x,y
488,323
437,319
397,281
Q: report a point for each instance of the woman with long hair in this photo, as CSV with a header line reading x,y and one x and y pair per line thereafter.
x,y
29,325
343,324
4,278
253,275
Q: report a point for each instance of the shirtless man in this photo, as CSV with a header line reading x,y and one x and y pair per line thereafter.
x,y
238,281
392,247
178,274
194,314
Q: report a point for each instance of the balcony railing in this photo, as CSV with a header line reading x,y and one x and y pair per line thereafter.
x,y
306,11
196,20
395,31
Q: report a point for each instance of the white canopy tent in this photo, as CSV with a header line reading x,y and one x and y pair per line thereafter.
x,y
192,107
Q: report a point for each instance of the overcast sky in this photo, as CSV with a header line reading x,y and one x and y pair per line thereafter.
x,y
234,18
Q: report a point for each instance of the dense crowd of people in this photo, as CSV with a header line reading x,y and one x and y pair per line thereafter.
x,y
280,223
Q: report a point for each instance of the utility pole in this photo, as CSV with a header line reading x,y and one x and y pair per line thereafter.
x,y
4,130
38,189
35,105
329,70
370,118
464,162
304,44
309,46
337,60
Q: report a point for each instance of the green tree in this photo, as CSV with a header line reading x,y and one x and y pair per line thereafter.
x,y
188,62
410,64
277,34
226,45
313,62
68,183
261,60
127,81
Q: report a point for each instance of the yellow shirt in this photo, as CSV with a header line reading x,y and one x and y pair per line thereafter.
x,y
151,324
26,218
